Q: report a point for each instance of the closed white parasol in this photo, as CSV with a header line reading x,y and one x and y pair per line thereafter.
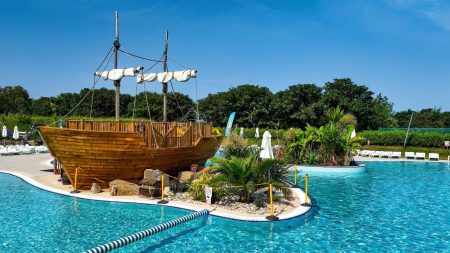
x,y
4,131
266,146
16,133
241,132
257,133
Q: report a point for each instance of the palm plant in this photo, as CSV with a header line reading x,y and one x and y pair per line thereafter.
x,y
238,172
247,175
349,144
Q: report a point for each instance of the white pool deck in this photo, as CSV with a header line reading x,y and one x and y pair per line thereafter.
x,y
35,170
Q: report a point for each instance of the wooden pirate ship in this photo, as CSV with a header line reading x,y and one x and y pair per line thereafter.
x,y
101,151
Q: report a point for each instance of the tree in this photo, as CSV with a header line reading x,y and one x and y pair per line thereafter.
x,y
14,99
44,106
425,118
358,100
252,104
299,105
178,106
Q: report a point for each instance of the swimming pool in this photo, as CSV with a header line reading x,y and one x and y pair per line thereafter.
x,y
392,207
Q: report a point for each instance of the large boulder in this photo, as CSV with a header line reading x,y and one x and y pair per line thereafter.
x,y
123,188
153,178
185,177
96,188
151,174
150,191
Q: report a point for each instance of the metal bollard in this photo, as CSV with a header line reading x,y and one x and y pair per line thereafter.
x,y
295,176
306,192
76,182
272,216
162,201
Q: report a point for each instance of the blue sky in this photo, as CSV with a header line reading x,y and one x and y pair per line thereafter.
x,y
400,48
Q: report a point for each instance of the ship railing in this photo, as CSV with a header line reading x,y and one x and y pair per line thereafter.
x,y
154,134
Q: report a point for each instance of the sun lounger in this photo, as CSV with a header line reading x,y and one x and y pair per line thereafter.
x,y
385,154
41,149
433,156
375,154
395,154
410,155
420,155
366,153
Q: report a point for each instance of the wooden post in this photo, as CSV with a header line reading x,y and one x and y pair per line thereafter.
x,y
55,166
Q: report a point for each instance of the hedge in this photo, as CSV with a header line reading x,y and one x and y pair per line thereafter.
x,y
397,138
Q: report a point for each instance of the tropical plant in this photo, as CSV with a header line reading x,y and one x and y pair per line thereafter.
x,y
236,146
197,187
330,144
244,176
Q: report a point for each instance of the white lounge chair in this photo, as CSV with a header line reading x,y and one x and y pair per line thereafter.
x,y
410,155
420,155
41,149
395,154
375,154
385,154
366,153
433,156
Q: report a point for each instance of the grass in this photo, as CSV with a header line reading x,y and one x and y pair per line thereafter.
x,y
443,153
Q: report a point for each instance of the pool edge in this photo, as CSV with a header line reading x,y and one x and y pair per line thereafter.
x,y
297,212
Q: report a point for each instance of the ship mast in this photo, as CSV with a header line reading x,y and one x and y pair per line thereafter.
x,y
117,82
164,85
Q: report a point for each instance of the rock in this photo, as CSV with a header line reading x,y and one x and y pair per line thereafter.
x,y
150,182
151,174
123,188
150,191
96,188
185,177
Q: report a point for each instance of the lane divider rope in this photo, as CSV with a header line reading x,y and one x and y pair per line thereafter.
x,y
146,233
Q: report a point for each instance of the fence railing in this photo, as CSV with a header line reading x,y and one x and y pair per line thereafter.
x,y
154,134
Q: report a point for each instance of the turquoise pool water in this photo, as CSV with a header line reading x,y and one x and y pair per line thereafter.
x,y
392,207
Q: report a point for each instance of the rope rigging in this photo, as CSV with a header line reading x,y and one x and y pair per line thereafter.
x,y
107,59
109,56
137,56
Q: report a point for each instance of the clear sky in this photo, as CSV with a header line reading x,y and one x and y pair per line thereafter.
x,y
400,48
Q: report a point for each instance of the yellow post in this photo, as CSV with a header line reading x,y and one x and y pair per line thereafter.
x,y
162,201
272,213
306,191
162,188
76,181
271,201
295,174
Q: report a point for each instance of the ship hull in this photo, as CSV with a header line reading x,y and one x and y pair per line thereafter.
x,y
102,157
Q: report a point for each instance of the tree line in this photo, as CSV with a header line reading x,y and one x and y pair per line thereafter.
x,y
296,106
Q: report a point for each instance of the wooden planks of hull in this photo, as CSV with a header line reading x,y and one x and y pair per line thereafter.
x,y
105,156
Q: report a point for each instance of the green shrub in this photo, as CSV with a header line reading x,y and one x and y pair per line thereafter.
x,y
197,188
397,138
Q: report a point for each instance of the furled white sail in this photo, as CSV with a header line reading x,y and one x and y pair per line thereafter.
x,y
117,74
165,77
